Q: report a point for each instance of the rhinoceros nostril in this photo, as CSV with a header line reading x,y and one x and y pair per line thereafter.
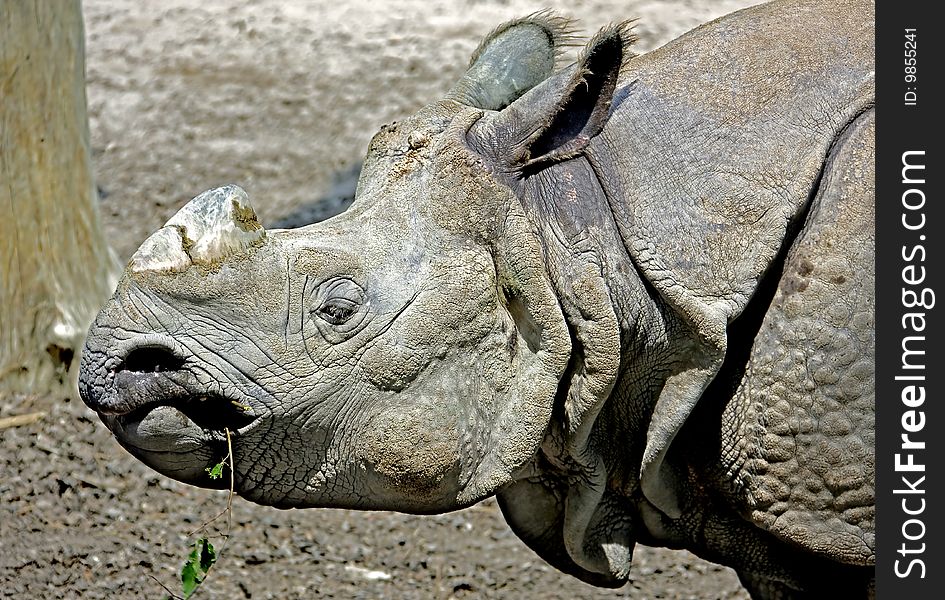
x,y
150,359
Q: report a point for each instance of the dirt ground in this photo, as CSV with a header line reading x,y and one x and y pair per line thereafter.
x,y
280,98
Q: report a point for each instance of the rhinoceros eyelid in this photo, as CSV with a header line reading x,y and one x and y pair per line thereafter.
x,y
342,287
337,301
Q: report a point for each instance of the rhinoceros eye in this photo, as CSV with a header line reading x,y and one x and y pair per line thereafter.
x,y
338,303
337,310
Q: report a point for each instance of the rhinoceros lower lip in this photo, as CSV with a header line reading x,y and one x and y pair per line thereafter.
x,y
171,443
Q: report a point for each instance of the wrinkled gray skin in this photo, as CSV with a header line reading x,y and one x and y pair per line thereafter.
x,y
633,298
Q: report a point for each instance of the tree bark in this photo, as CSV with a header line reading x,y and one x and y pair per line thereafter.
x,y
55,266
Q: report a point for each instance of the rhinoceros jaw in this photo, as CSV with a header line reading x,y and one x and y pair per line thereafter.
x,y
213,226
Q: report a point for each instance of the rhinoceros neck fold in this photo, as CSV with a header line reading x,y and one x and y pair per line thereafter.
x,y
612,313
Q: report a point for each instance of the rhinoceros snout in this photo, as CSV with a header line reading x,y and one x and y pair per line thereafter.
x,y
112,382
145,390
144,376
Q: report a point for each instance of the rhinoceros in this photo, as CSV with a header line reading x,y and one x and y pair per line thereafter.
x,y
632,297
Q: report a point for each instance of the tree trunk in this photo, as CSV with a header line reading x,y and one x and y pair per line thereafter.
x,y
55,265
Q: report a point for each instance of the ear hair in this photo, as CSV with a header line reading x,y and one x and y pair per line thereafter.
x,y
560,31
583,107
512,59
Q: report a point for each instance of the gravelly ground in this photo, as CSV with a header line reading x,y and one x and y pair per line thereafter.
x,y
281,98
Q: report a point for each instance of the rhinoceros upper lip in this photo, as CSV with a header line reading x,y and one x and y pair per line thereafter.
x,y
150,377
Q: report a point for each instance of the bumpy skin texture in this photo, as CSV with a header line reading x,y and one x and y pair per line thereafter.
x,y
803,447
633,298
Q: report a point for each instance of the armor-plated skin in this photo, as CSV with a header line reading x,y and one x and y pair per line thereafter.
x,y
633,298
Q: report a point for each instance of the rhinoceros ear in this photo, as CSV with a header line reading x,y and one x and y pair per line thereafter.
x,y
555,120
511,60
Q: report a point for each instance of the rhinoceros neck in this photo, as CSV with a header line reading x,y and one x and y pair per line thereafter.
x,y
708,164
686,199
599,286
572,215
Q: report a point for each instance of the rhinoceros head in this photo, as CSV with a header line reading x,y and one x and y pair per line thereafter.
x,y
403,355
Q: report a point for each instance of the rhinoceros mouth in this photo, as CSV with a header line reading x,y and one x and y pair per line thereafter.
x,y
164,420
151,377
212,413
188,430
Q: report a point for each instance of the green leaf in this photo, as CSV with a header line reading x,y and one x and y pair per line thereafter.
x,y
216,471
189,579
198,563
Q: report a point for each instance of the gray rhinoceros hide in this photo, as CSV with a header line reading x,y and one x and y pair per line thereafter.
x,y
632,297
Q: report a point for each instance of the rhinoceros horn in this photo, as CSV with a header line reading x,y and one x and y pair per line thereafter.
x,y
216,224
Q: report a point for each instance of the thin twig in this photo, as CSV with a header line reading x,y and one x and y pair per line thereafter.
x,y
229,498
228,460
19,420
228,511
166,589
